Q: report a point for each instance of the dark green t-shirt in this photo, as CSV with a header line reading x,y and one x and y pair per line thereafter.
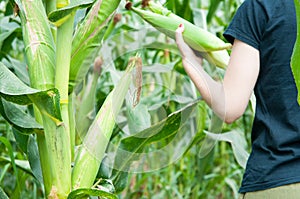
x,y
270,27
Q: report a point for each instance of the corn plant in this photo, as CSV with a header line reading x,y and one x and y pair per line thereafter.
x,y
54,50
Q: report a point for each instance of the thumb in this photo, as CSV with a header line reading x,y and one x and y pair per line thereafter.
x,y
179,37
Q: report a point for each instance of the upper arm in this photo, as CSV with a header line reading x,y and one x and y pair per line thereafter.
x,y
240,78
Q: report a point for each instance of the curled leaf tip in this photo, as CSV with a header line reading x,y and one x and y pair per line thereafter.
x,y
128,5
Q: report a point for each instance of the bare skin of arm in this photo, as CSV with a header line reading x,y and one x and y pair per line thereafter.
x,y
229,98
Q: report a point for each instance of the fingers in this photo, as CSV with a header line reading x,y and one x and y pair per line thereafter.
x,y
184,49
180,28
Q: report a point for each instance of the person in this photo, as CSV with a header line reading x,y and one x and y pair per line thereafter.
x,y
263,34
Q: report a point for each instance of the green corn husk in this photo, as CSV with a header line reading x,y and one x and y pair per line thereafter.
x,y
94,145
219,58
88,37
198,38
39,44
86,111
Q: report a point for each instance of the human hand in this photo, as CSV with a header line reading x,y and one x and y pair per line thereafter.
x,y
188,54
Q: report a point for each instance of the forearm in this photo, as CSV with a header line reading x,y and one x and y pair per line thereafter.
x,y
211,90
229,98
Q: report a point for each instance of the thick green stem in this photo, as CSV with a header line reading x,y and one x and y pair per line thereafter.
x,y
59,135
51,6
63,57
59,158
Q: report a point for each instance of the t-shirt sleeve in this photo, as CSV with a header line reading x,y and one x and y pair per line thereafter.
x,y
248,24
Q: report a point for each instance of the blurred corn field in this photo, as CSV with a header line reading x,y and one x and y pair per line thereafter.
x,y
157,138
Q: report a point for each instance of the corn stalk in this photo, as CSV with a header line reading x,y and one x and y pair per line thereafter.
x,y
48,52
40,53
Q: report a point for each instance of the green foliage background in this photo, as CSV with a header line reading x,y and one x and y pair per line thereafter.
x,y
217,175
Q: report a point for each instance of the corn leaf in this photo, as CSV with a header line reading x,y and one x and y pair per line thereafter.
x,y
214,4
238,143
88,37
3,194
18,118
181,8
14,90
21,139
85,192
208,144
34,159
19,68
11,86
7,28
21,164
130,148
138,118
61,13
295,60
10,150
104,171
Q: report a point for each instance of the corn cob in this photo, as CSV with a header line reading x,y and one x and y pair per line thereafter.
x,y
198,38
219,58
95,142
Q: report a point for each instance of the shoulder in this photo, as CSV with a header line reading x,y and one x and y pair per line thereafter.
x,y
267,3
271,8
270,5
